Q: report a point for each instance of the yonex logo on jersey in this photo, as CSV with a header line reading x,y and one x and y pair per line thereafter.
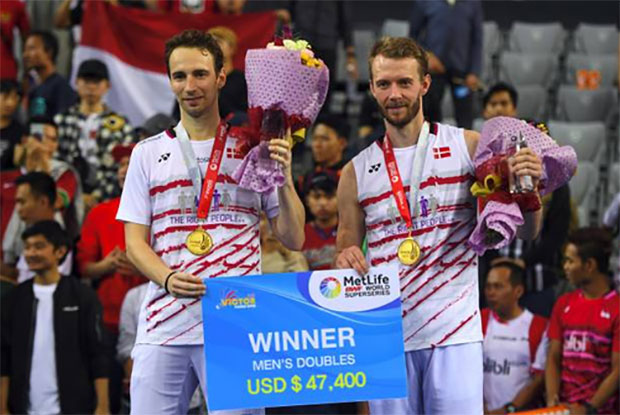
x,y
163,157
441,152
605,314
374,168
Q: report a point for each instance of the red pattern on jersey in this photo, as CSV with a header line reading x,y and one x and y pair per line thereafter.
x,y
438,181
460,326
319,246
440,286
450,304
589,332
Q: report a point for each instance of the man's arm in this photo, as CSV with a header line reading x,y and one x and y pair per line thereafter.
x,y
552,372
4,395
609,386
351,229
524,163
530,391
140,253
101,389
288,226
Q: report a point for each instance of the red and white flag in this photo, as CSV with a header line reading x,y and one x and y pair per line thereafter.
x,y
131,43
441,152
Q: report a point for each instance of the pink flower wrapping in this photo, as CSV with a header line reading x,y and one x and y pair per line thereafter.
x,y
278,81
499,219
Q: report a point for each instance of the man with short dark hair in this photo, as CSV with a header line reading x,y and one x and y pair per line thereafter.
x,y
160,192
35,200
49,93
320,244
583,365
513,378
52,356
90,130
500,100
328,143
11,130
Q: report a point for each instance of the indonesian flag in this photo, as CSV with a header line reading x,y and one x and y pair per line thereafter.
x,y
131,43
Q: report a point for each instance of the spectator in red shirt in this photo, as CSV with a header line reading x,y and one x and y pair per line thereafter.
x,y
583,364
101,252
320,245
13,15
101,257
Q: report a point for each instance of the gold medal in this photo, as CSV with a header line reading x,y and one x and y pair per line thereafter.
x,y
408,251
199,242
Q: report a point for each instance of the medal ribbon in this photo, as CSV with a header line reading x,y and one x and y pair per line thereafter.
x,y
204,194
395,180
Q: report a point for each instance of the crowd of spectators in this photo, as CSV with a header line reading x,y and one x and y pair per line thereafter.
x,y
71,297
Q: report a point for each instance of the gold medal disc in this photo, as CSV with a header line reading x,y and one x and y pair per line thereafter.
x,y
199,242
408,251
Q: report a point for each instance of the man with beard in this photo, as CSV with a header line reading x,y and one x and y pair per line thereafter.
x,y
425,232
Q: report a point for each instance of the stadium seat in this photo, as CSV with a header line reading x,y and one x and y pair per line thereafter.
x,y
614,182
491,38
607,65
396,28
585,105
447,108
537,37
594,39
583,189
477,126
487,76
587,138
532,102
527,69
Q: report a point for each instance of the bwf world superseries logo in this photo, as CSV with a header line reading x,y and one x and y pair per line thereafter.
x,y
330,287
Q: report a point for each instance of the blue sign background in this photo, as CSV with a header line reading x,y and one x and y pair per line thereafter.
x,y
234,307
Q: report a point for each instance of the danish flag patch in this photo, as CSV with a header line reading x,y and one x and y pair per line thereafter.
x,y
441,152
233,153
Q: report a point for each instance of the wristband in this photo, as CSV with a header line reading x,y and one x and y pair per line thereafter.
x,y
590,410
166,281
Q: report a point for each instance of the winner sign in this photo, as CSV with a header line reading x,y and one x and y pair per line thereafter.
x,y
303,338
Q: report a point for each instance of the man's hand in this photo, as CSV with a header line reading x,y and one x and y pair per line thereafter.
x,y
90,200
576,409
102,410
472,82
526,163
435,65
124,266
184,285
280,151
352,257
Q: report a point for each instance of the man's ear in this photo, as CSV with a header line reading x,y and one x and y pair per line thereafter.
x,y
591,265
426,83
221,79
60,252
520,290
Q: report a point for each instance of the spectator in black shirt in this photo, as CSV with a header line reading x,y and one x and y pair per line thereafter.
x,y
49,93
11,130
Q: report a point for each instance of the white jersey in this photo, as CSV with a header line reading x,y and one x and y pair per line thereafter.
x,y
440,293
158,192
510,349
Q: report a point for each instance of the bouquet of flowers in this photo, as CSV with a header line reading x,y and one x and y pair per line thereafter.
x,y
287,86
502,211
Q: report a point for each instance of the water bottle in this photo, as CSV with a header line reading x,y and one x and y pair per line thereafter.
x,y
521,184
